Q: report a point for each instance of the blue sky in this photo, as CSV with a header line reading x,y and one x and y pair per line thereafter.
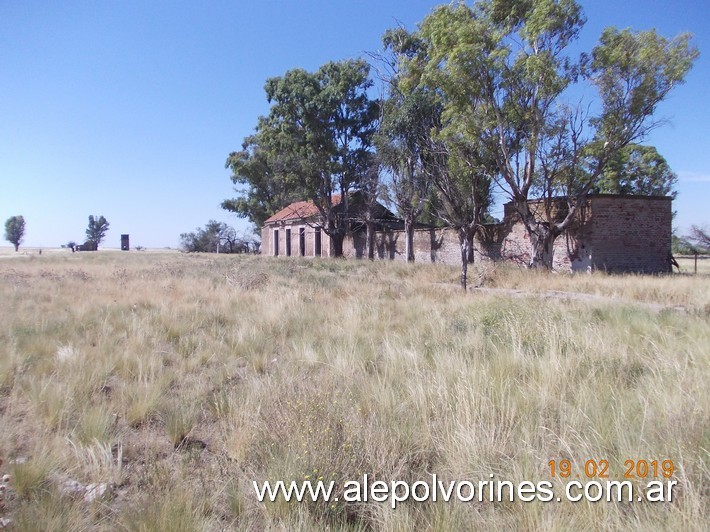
x,y
129,109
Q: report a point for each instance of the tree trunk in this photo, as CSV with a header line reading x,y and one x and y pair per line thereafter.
x,y
470,249
463,241
337,244
409,240
370,240
542,236
542,243
17,246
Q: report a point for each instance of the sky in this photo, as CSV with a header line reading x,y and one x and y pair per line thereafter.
x,y
129,109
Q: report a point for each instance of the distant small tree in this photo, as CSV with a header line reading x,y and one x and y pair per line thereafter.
x,y
71,245
696,241
15,230
215,237
681,246
230,240
700,236
96,231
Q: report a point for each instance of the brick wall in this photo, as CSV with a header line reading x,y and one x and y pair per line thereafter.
x,y
513,244
267,240
430,245
267,246
614,233
630,233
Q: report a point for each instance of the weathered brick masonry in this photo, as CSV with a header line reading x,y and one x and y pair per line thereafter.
x,y
630,233
613,233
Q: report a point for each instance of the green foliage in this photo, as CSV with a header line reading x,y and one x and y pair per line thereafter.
x,y
330,121
15,230
682,246
314,143
433,95
697,241
215,237
405,142
633,73
503,66
432,208
637,169
475,97
96,231
260,168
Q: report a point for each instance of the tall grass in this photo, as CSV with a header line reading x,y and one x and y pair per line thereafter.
x,y
112,364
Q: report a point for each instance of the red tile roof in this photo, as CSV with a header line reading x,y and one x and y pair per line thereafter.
x,y
299,210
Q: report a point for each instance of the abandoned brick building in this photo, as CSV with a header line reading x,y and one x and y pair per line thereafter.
x,y
615,233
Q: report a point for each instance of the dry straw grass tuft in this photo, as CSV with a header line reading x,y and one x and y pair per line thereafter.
x,y
179,379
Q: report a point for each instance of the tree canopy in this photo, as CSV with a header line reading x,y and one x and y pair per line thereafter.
x,y
476,97
315,143
637,169
215,237
405,145
96,230
262,168
15,230
503,67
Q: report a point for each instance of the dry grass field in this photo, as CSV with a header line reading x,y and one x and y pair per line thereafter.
x,y
146,391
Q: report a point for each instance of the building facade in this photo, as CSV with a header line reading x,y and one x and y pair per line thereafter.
x,y
613,233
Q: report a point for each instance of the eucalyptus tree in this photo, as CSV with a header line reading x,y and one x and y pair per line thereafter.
x,y
15,230
638,169
504,68
96,230
404,140
315,143
464,190
430,148
401,146
700,236
369,187
409,118
349,117
258,171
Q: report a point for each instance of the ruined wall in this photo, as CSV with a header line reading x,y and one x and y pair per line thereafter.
x,y
630,233
267,246
430,245
514,244
436,245
267,240
442,246
613,233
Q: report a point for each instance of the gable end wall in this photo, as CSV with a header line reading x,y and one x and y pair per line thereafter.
x,y
633,235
